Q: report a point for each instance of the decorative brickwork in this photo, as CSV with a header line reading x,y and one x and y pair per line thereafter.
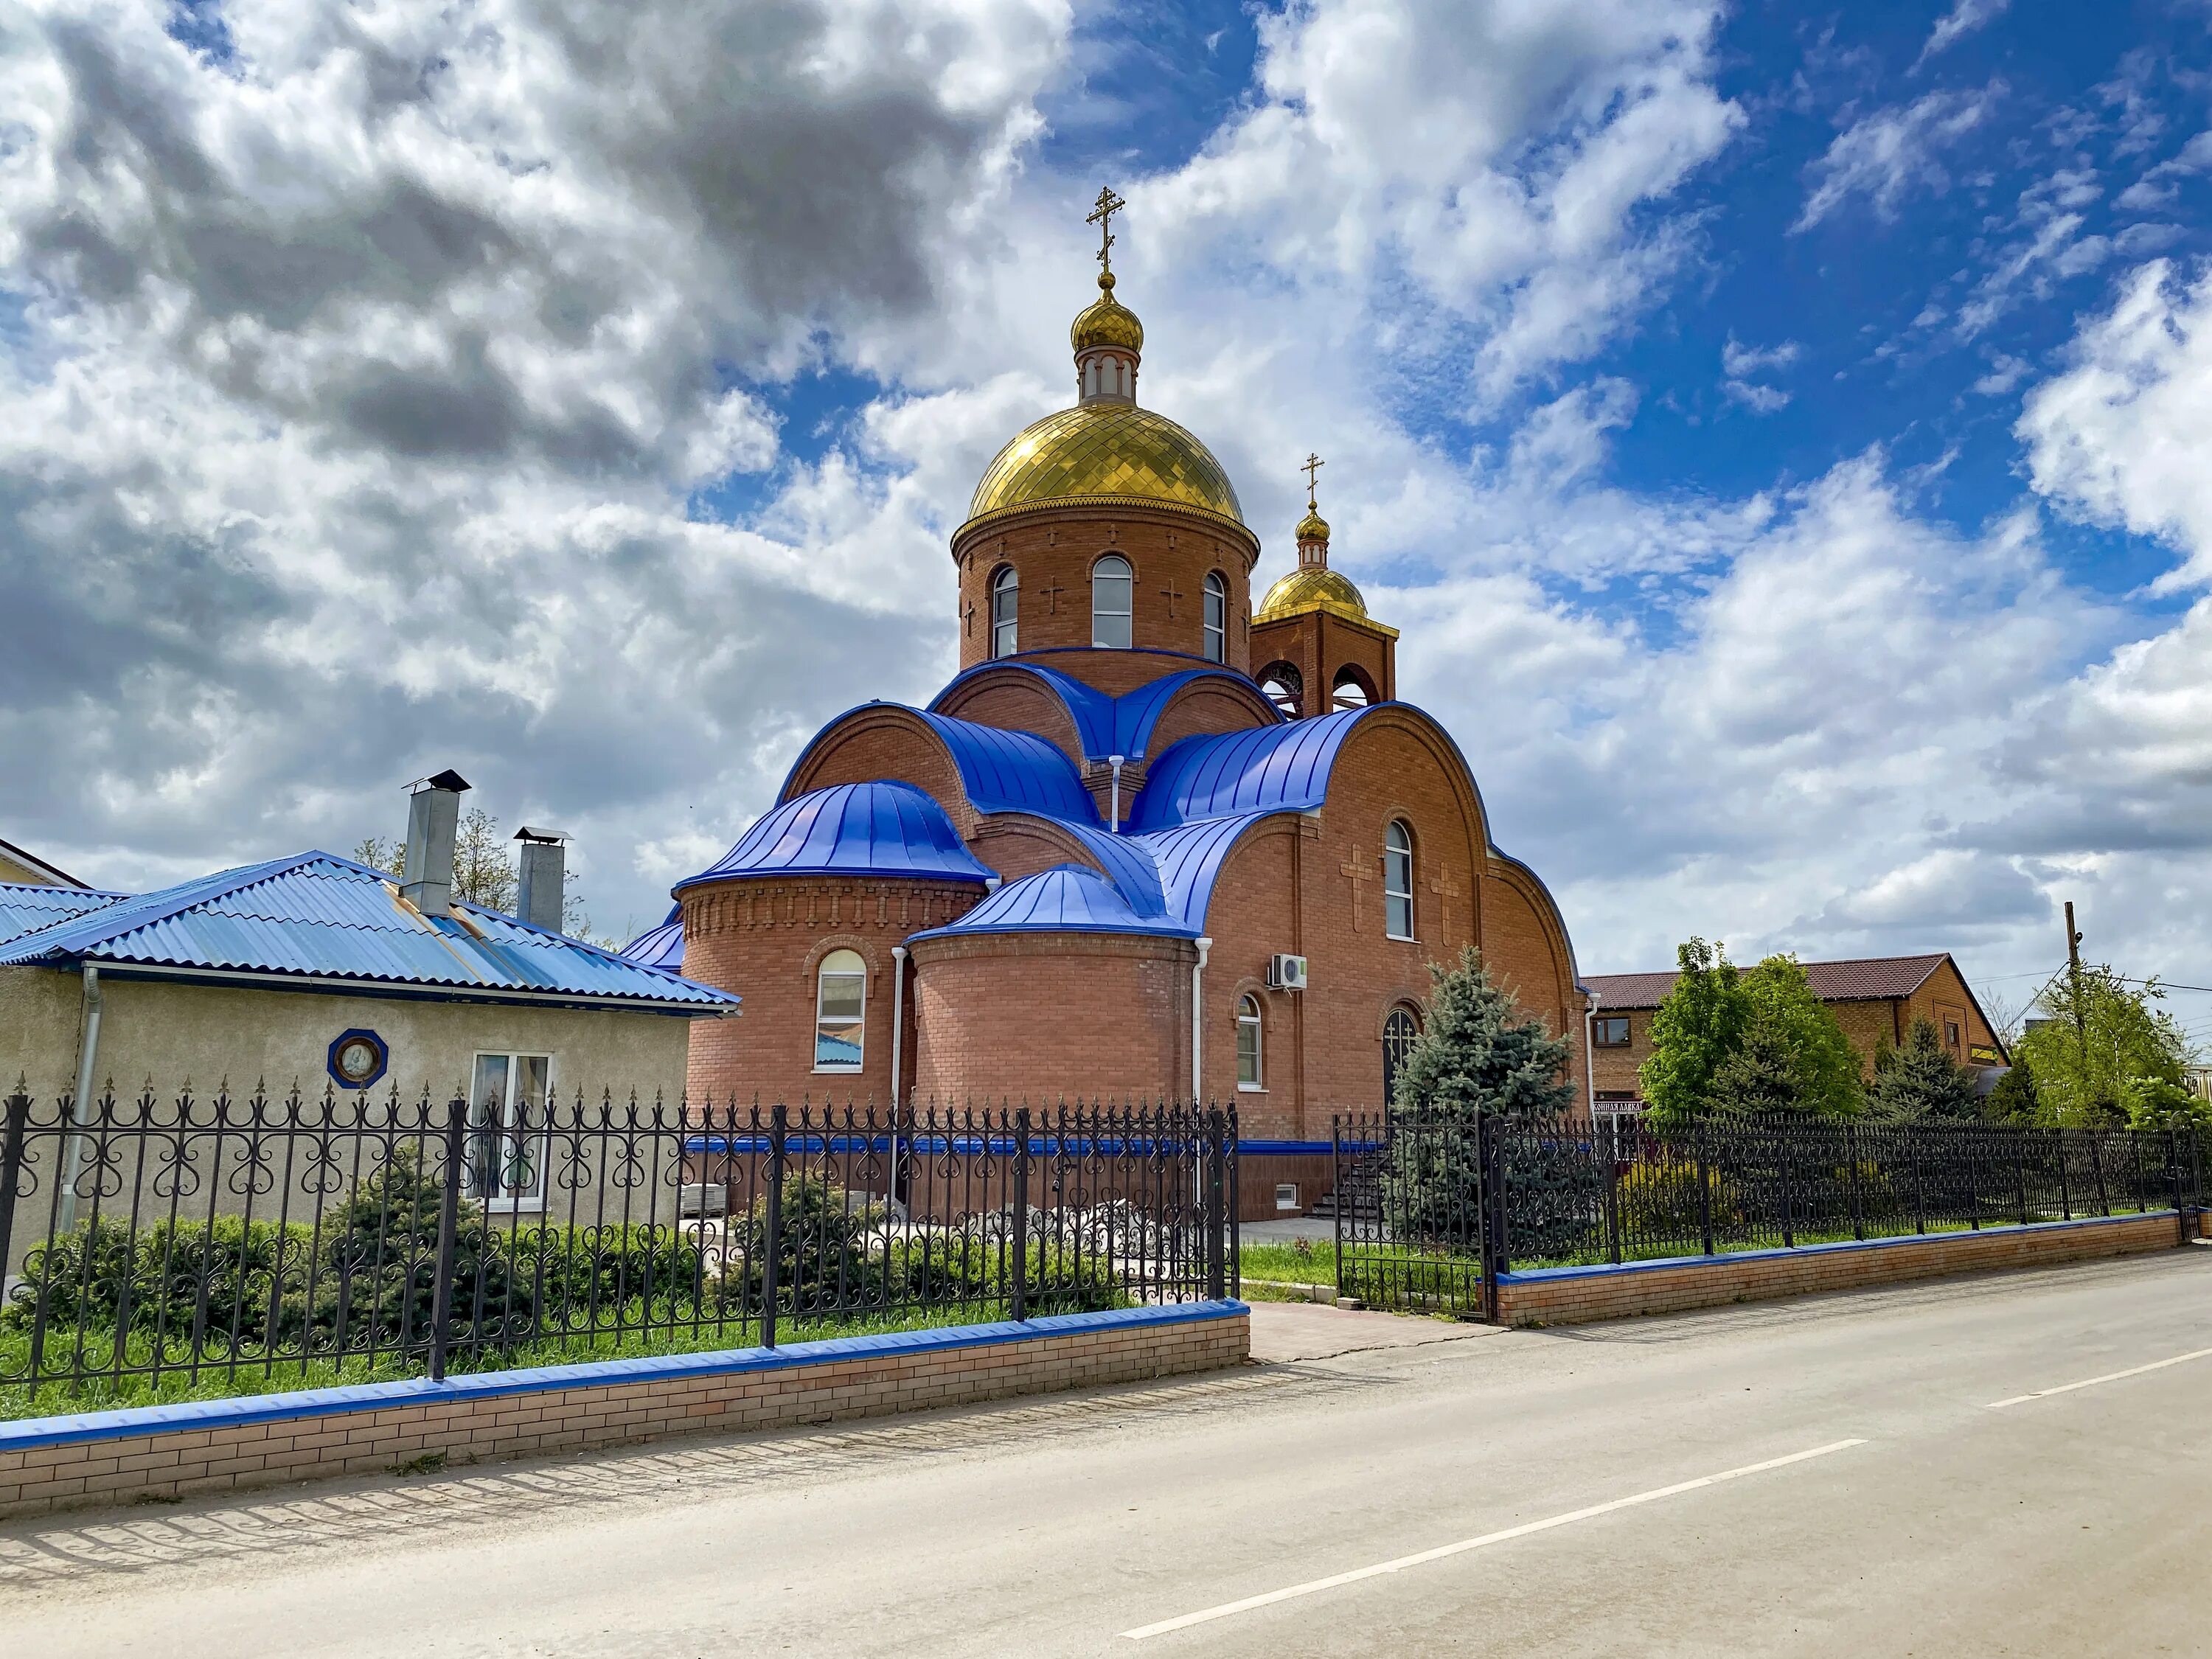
x,y
230,1445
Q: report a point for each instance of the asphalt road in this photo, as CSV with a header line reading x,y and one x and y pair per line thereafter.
x,y
1492,1493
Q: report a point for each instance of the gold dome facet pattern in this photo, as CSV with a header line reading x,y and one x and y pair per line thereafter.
x,y
1106,322
1302,591
1105,450
1313,527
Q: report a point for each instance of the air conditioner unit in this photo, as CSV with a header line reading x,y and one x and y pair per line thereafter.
x,y
1286,972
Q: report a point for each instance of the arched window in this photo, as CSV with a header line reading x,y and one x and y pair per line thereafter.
x,y
841,996
1398,1033
1217,618
1351,689
1247,1042
1005,610
1282,685
1113,602
1397,880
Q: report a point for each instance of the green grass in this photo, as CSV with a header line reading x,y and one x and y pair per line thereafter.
x,y
1285,1263
59,1399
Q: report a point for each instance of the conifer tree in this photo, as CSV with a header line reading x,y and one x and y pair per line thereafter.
x,y
2014,1100
1764,1077
1920,1081
1476,1053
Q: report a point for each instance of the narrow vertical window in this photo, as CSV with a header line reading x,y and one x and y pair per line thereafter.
x,y
1217,618
1247,1042
1397,880
840,1002
1005,612
1112,595
1398,1033
507,1112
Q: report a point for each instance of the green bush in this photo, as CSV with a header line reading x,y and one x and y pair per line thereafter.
x,y
1660,1201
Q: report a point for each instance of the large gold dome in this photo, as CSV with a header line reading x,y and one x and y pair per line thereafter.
x,y
1311,589
1105,451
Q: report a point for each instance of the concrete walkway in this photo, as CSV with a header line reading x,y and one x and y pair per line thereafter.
x,y
2014,1465
1306,1330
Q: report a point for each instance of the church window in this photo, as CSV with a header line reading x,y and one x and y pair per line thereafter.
x,y
1351,689
1112,595
1217,618
1397,880
1398,1032
1247,1042
840,1001
1281,684
1005,607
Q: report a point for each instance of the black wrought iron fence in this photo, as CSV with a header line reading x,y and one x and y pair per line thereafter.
x,y
1430,1210
161,1242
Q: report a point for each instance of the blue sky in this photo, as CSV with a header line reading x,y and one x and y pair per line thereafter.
x,y
1774,428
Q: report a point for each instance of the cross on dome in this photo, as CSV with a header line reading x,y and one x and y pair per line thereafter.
x,y
1101,215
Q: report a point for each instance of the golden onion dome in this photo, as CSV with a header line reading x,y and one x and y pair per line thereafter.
x,y
1106,322
1313,527
1105,451
1315,588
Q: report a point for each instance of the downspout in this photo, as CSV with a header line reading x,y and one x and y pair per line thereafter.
x,y
88,1060
898,1040
1590,1054
1198,1025
1116,762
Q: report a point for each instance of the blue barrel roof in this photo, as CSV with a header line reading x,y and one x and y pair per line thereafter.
x,y
1270,768
1068,898
852,828
1104,726
661,946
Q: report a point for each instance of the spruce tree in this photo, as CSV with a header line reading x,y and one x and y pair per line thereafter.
x,y
2014,1100
1475,1054
1764,1077
1920,1081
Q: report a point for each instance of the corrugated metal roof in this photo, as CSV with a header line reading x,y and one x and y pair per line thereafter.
x,y
317,916
1068,898
1858,979
25,908
850,829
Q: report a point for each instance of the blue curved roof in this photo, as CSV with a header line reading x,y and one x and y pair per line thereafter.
x,y
661,946
1068,898
1189,859
1270,768
852,828
1013,771
1104,726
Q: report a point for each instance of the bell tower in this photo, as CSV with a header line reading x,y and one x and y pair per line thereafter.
x,y
1314,646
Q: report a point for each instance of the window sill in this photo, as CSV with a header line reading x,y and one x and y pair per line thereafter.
x,y
1251,1088
838,1070
1401,939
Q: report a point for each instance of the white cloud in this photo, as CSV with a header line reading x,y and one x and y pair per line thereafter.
x,y
1962,19
1884,155
1739,362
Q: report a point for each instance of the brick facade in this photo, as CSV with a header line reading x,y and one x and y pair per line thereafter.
x,y
232,1445
1319,646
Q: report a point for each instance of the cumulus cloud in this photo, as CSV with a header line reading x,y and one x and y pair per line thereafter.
x,y
1886,156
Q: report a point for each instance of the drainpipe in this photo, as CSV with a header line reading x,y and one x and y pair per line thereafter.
x,y
1590,1054
1116,762
82,1108
1198,1025
898,1039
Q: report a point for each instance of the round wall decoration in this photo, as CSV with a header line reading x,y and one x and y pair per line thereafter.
x,y
358,1059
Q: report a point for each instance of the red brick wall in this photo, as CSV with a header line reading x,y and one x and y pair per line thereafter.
x,y
1317,645
1055,547
885,744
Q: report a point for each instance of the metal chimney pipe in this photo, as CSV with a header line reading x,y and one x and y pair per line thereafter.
x,y
541,894
433,817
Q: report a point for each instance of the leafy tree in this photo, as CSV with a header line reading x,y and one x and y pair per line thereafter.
x,y
484,873
1828,1070
1694,1030
1920,1080
2153,1103
1762,1077
2013,1100
2091,1046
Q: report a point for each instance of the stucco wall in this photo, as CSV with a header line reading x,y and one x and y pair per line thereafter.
x,y
206,1035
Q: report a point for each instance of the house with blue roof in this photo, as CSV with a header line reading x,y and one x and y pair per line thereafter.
x,y
316,972
1152,840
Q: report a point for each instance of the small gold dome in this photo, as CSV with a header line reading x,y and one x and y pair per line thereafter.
x,y
1105,451
1309,589
1106,322
1313,527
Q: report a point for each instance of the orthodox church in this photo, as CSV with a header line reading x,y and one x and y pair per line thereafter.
x,y
1151,840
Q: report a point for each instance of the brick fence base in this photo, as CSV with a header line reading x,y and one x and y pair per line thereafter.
x,y
259,1440
1568,1296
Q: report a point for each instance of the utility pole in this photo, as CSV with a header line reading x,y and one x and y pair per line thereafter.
x,y
2073,974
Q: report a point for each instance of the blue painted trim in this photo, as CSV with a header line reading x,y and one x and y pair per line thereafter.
x,y
197,1414
1541,1275
1292,1148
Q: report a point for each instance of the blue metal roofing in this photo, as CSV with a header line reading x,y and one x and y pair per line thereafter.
x,y
852,828
25,908
661,946
1104,726
1190,858
1068,898
1014,771
1270,768
317,916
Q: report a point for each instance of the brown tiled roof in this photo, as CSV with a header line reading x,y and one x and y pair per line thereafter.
x,y
1863,979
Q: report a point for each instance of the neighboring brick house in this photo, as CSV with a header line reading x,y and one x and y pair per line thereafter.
x,y
1077,871
1875,999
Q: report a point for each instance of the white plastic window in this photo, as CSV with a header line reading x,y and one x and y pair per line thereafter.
x,y
840,999
1113,603
1006,611
507,1109
1247,1042
1398,881
1217,618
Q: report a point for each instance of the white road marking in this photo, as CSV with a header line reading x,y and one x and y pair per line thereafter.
x,y
1315,1586
2091,1382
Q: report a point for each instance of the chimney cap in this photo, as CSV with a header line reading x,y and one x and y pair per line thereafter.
x,y
528,833
447,779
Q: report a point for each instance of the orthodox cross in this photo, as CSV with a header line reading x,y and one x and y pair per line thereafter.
x,y
968,617
1052,598
1171,593
1314,464
1101,215
1357,869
